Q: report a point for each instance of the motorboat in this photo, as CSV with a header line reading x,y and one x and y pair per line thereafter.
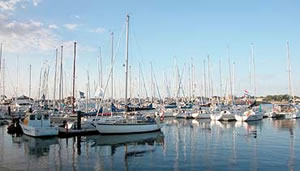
x,y
286,111
37,124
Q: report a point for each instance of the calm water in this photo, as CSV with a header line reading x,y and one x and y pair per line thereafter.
x,y
181,145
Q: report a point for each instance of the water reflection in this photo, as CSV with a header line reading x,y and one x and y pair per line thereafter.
x,y
181,145
285,124
37,146
288,125
121,140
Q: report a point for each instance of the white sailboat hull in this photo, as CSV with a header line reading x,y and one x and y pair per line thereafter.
x,y
245,118
39,131
168,114
216,117
184,115
199,115
289,115
222,116
127,128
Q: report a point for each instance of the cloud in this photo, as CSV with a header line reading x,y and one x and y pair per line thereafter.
x,y
26,35
71,26
77,16
52,26
98,30
36,2
9,5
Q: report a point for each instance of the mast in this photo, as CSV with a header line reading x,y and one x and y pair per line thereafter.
x,y
220,70
87,90
3,76
2,68
204,79
0,56
17,76
233,79
230,75
130,83
139,92
250,69
1,59
55,72
193,79
254,69
101,69
39,91
190,82
176,79
74,65
112,67
152,85
99,63
289,69
29,89
61,77
208,77
126,62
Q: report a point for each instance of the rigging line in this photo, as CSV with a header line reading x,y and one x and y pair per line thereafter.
x,y
155,82
114,60
143,80
180,80
7,69
135,40
167,85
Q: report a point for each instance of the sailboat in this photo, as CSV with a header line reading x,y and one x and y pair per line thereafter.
x,y
289,110
253,112
127,126
222,112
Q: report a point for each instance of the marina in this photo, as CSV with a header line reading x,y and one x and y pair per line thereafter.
x,y
181,144
152,85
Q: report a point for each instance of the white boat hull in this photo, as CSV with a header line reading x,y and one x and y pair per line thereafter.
x,y
216,117
288,115
168,114
222,116
199,115
127,128
246,118
39,131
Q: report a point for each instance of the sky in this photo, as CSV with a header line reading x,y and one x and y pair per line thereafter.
x,y
163,33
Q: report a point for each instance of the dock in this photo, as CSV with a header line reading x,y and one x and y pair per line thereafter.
x,y
62,132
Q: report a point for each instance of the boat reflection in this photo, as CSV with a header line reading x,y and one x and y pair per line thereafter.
x,y
285,124
250,127
121,140
288,125
223,124
115,141
38,146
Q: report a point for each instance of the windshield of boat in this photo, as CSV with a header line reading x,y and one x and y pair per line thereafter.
x,y
46,117
32,117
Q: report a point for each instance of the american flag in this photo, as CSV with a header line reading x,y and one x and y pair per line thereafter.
x,y
246,93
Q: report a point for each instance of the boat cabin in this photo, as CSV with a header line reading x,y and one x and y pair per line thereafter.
x,y
284,108
37,119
